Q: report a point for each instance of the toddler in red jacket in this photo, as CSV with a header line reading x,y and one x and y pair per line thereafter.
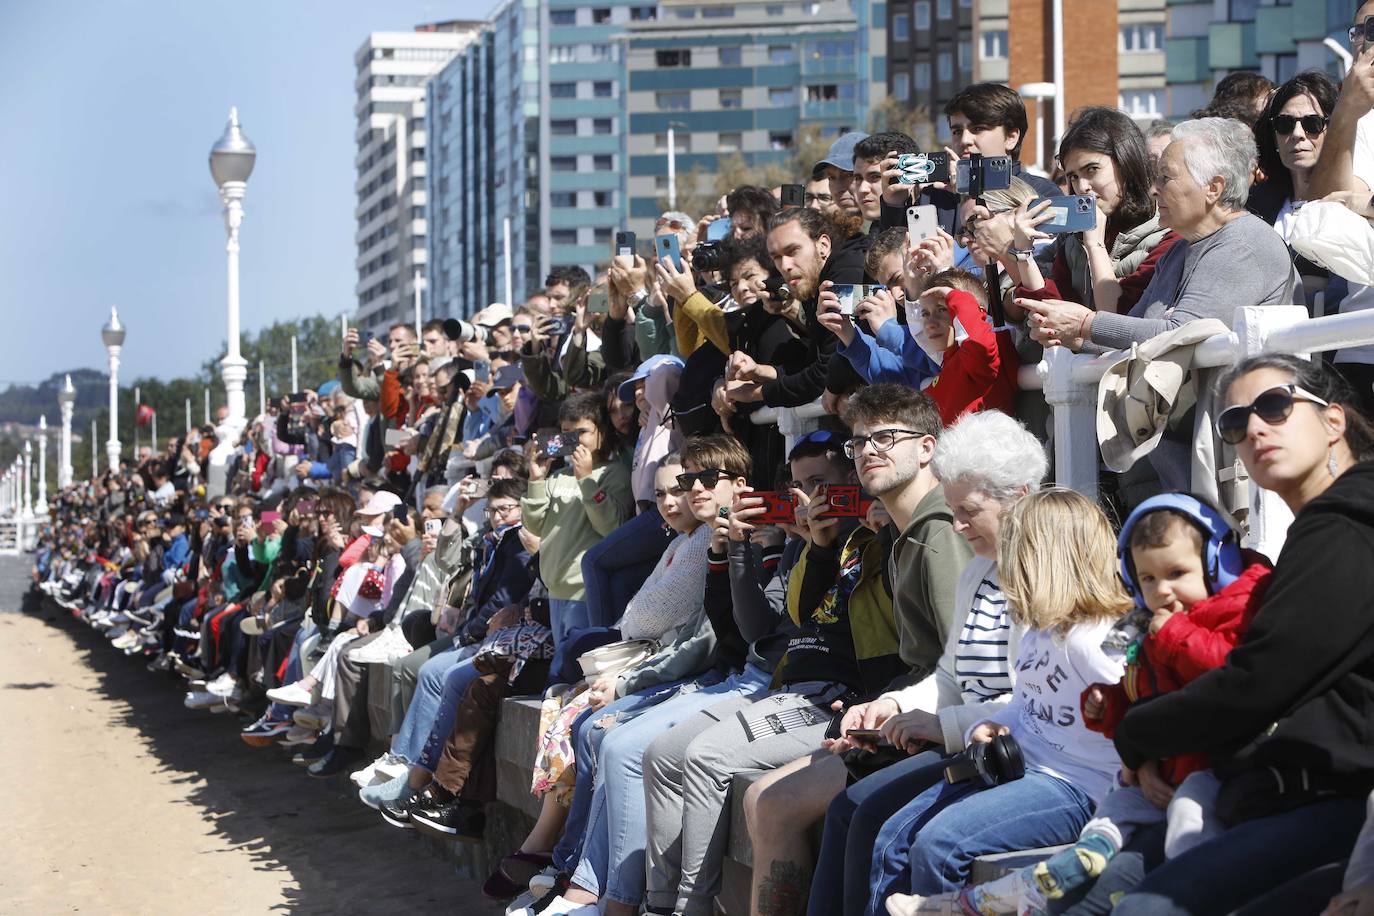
x,y
1196,592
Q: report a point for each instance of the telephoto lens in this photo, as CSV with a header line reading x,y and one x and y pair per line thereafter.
x,y
464,331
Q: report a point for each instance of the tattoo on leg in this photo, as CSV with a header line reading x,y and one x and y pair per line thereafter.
x,y
784,890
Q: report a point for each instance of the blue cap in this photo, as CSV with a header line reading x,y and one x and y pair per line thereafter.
x,y
626,391
841,153
818,437
508,376
327,388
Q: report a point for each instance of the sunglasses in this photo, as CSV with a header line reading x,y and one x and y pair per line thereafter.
x,y
709,478
1272,406
1312,125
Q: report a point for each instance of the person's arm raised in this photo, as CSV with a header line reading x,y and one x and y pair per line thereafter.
x,y
1335,168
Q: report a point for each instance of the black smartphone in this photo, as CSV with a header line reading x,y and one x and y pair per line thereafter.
x,y
984,173
625,245
792,195
401,513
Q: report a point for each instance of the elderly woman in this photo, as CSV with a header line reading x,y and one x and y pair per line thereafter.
x,y
986,461
1229,257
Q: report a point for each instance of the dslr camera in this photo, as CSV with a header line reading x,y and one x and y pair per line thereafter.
x,y
464,331
707,257
991,763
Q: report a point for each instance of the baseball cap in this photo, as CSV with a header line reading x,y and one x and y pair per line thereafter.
x,y
626,391
381,503
508,377
841,153
492,315
817,437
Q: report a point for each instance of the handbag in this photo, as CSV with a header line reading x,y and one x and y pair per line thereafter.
x,y
615,657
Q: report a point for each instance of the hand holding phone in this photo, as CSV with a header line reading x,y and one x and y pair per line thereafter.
x,y
668,248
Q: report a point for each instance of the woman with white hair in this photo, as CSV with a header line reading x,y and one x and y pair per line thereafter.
x,y
1229,257
986,463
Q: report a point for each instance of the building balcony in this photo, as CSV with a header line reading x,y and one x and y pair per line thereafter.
x,y
1231,46
828,109
1186,60
830,66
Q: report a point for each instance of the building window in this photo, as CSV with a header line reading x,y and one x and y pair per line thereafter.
x,y
944,8
901,86
717,12
783,95
562,17
601,15
602,234
604,162
603,89
1140,38
965,56
730,56
782,54
562,90
563,163
674,100
563,236
773,10
920,14
1243,10
604,52
563,127
562,54
680,140
603,199
1141,103
920,76
643,13
731,98
673,58
729,141
685,12
994,45
945,66
901,27
603,126
779,139
563,199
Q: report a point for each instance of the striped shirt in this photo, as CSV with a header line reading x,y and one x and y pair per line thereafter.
x,y
981,660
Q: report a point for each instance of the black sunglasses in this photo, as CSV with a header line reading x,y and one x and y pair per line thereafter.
x,y
709,478
1272,406
1313,125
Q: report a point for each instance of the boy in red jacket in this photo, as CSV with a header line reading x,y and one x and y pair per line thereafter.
x,y
1196,592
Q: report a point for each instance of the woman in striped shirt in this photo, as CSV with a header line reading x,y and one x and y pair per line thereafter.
x,y
986,462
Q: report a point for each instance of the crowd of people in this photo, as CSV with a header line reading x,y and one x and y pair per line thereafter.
x,y
885,627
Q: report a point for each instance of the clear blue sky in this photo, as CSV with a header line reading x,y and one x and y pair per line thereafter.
x,y
109,111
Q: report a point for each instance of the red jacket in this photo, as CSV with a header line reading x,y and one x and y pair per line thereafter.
x,y
1059,285
979,373
1188,646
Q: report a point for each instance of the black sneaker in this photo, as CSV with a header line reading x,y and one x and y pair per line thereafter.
x,y
396,811
339,760
453,819
317,751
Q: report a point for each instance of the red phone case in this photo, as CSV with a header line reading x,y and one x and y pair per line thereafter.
x,y
781,510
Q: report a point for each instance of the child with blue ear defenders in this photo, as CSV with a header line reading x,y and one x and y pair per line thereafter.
x,y
1196,592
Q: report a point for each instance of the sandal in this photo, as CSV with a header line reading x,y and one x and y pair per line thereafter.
x,y
512,876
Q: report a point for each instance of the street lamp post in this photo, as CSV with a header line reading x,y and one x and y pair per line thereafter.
x,y
113,336
231,162
66,400
40,505
27,471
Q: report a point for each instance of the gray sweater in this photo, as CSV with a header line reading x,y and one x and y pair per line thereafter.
x,y
1245,262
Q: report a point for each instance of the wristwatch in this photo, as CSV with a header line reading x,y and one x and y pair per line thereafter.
x,y
637,297
1022,254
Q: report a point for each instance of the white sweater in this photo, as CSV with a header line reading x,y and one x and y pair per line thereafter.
x,y
673,590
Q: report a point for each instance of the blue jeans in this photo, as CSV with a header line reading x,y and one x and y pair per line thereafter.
x,y
566,615
1248,861
586,740
612,862
564,669
456,684
419,720
615,568
929,846
852,824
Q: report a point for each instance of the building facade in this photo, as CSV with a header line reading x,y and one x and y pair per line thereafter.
x,y
391,71
931,53
1208,39
743,78
1140,55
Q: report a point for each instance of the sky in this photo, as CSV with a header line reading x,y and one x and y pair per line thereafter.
x,y
109,110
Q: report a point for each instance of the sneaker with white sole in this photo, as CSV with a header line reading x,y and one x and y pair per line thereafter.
x,y
374,795
316,715
560,906
299,735
386,648
202,699
543,882
223,685
126,639
290,694
383,769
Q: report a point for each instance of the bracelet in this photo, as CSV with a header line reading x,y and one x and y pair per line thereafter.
x,y
1021,254
1083,325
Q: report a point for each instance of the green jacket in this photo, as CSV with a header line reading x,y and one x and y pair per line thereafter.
x,y
570,515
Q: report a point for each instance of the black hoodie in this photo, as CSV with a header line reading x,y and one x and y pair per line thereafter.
x,y
1298,690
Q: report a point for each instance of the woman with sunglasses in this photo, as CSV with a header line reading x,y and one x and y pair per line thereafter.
x,y
1286,721
1289,135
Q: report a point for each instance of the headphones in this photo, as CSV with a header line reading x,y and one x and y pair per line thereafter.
x,y
1221,557
991,763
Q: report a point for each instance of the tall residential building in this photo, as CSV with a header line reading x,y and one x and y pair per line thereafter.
x,y
930,52
1140,56
742,78
990,35
392,68
1208,39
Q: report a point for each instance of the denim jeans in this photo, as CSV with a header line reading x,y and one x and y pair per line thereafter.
x,y
929,846
419,720
564,669
586,740
615,568
852,824
565,616
456,683
1248,861
613,843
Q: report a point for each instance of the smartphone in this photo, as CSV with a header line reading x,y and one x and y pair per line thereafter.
x,y
598,300
995,172
667,248
433,525
844,501
1073,213
269,518
559,445
923,168
475,487
780,509
850,295
716,230
305,506
922,222
625,245
865,734
481,371
401,513
792,195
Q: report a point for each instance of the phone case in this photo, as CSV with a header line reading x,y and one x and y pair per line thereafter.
x,y
922,222
667,247
846,294
1071,213
844,501
780,508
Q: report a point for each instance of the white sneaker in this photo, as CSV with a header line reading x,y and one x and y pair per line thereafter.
x,y
290,694
126,639
202,699
559,907
224,685
543,882
383,769
385,649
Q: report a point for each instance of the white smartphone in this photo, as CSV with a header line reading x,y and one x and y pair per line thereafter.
x,y
922,222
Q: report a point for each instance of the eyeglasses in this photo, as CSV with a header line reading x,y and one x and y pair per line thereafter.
x,y
881,439
501,510
708,477
1362,33
1312,124
810,198
521,328
1272,406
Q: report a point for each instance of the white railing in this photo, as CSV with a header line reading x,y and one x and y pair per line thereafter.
x,y
1070,382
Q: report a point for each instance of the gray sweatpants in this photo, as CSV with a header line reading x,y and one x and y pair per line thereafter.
x,y
1191,816
687,775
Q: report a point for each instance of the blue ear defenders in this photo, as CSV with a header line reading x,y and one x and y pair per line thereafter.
x,y
1221,558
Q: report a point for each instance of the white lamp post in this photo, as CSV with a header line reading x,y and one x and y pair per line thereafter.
x,y
113,336
1041,92
231,162
40,505
28,470
66,400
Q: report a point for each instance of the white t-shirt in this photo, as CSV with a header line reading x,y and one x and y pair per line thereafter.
x,y
1360,296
